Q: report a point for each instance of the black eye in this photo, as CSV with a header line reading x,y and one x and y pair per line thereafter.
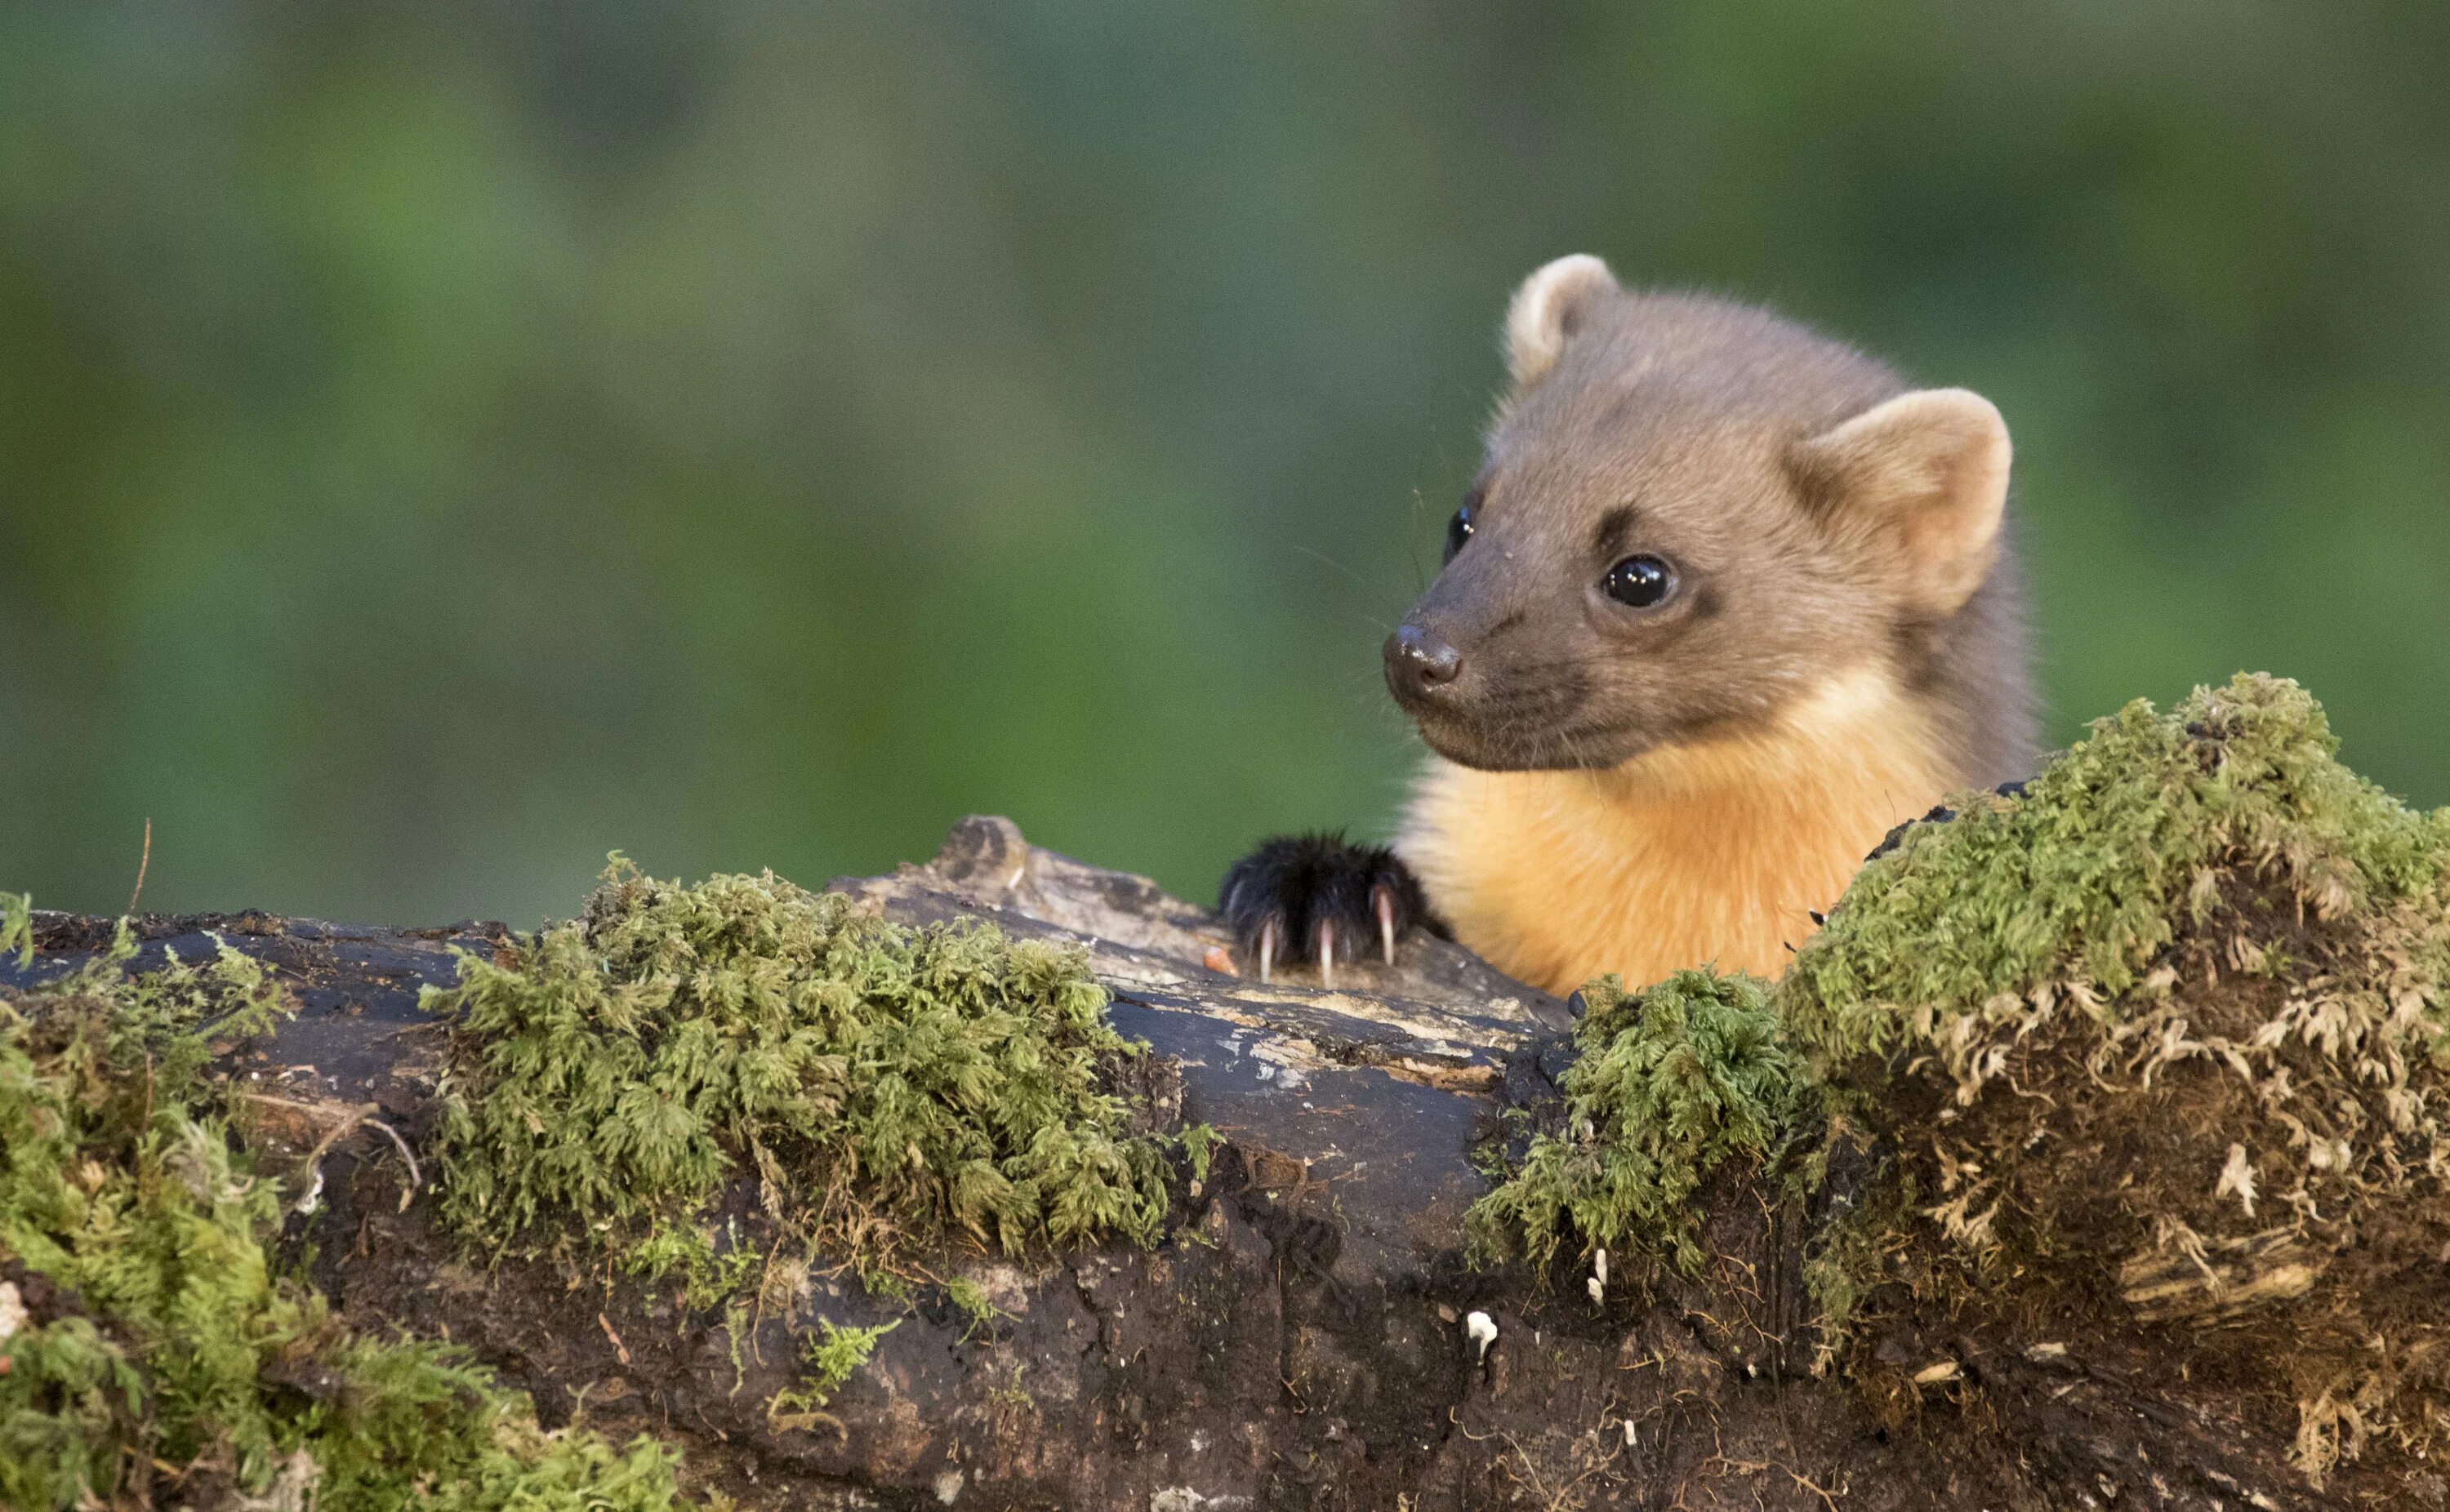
x,y
1459,530
1640,582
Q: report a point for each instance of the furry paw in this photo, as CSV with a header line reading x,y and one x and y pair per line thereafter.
x,y
1319,898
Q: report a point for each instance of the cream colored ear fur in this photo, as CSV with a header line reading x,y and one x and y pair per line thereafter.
x,y
1545,310
1932,468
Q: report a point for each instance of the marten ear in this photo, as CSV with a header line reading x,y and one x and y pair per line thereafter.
x,y
1547,308
1930,470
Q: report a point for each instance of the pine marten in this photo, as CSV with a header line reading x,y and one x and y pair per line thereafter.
x,y
1728,601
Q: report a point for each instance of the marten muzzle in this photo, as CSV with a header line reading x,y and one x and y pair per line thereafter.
x,y
1420,663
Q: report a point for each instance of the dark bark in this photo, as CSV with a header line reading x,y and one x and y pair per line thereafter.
x,y
1299,1341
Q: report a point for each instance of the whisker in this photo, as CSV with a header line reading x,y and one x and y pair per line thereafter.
x,y
1358,581
1413,546
1566,738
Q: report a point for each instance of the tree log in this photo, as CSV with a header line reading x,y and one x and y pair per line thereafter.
x,y
1299,1340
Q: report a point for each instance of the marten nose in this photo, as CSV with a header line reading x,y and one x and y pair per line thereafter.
x,y
1419,661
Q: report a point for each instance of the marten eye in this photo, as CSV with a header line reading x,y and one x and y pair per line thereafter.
x,y
1640,582
1459,529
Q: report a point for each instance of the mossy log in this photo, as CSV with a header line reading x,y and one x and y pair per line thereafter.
x,y
1300,1336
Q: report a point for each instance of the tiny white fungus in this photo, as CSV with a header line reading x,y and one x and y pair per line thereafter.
x,y
1482,1330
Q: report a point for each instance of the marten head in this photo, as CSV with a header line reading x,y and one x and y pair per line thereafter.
x,y
1693,515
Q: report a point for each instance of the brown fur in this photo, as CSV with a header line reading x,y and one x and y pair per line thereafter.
x,y
1637,791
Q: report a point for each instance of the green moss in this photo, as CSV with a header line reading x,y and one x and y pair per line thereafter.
x,y
833,1354
888,1089
972,1299
2162,1039
17,926
1673,1084
1854,1251
2083,880
709,1277
1199,1144
162,1354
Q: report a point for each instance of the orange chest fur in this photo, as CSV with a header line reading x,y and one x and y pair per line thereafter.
x,y
1685,857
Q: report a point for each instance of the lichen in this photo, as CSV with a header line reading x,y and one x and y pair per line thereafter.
x,y
2161,1040
157,1350
891,1091
1672,1085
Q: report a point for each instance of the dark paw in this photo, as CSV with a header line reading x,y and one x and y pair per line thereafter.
x,y
1940,815
1319,898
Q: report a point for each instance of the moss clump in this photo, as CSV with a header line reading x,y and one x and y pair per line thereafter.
x,y
2162,1038
153,1351
1673,1084
887,1087
2090,875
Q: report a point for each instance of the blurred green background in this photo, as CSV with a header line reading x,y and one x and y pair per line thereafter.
x,y
440,443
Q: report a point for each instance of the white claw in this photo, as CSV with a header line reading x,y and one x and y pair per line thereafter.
x,y
1382,902
1327,952
1267,948
1481,1330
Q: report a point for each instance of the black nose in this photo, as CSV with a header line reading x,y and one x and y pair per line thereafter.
x,y
1419,661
